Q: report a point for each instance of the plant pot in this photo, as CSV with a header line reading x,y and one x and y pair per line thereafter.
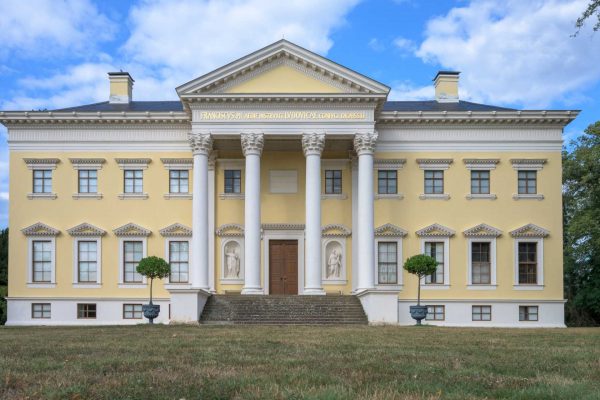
x,y
151,311
418,313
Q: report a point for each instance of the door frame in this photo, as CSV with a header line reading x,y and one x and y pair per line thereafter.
x,y
277,234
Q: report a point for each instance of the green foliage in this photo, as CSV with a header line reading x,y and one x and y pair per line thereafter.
x,y
4,257
581,214
592,9
420,265
3,292
153,267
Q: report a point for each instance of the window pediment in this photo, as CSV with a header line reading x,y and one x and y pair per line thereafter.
x,y
482,230
435,230
390,230
132,230
530,231
86,229
176,230
40,229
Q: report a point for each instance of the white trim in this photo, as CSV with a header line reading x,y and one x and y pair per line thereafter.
x,y
178,163
342,280
399,260
436,164
168,240
76,240
231,196
133,196
540,264
472,196
133,163
298,235
528,196
81,196
42,196
240,242
177,196
388,196
30,282
432,196
480,164
525,164
87,163
41,163
493,284
446,284
122,239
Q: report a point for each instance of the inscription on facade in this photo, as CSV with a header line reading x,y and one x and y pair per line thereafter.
x,y
281,115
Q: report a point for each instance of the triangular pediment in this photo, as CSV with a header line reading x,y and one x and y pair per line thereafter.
x,y
282,67
530,231
40,229
334,230
176,230
435,230
390,230
86,229
482,230
131,229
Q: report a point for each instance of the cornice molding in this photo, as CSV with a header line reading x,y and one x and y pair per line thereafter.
x,y
58,117
481,163
176,230
535,164
40,229
435,230
335,230
87,163
282,227
230,230
131,230
86,230
390,163
39,163
530,231
434,163
482,231
178,163
139,163
390,230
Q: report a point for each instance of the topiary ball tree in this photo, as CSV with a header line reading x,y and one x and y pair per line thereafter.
x,y
420,265
153,268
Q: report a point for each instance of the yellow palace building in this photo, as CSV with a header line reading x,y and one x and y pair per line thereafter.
x,y
284,173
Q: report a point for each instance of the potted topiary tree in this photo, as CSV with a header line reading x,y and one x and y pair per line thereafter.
x,y
420,265
153,268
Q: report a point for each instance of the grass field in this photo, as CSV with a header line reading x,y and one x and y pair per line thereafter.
x,y
269,362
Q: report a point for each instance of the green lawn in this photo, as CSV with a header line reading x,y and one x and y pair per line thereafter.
x,y
269,362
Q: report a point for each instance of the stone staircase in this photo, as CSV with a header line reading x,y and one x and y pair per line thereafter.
x,y
283,310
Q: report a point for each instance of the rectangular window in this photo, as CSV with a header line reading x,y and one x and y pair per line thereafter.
x,y
527,263
333,182
528,313
42,260
179,261
434,182
132,254
178,181
233,181
527,182
87,261
40,310
132,311
42,181
436,250
480,182
134,180
86,311
387,182
480,263
436,313
481,313
387,259
88,181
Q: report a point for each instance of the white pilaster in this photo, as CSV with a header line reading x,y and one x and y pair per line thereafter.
x,y
313,144
364,145
252,146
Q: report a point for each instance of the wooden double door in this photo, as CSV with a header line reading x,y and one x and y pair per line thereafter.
x,y
283,267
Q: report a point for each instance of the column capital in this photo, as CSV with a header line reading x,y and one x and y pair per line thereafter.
x,y
313,143
364,143
201,143
252,143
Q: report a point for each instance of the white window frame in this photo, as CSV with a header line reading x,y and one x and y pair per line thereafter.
x,y
528,165
493,283
133,164
442,164
232,164
446,284
30,282
87,285
92,164
168,240
129,285
474,164
178,164
389,286
240,242
540,264
339,165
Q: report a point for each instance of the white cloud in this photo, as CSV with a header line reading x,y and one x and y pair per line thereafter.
x,y
408,91
376,45
404,44
512,51
47,27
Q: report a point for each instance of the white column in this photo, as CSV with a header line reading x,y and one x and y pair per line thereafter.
x,y
212,159
364,145
201,148
312,144
252,146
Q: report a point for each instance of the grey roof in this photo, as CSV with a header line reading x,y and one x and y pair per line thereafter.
x,y
433,105
138,106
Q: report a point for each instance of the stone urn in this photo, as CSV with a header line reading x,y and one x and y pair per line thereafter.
x,y
151,311
418,313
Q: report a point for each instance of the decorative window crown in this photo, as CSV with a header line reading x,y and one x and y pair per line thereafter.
x,y
131,230
528,163
435,230
481,163
434,163
390,230
86,229
482,230
389,163
177,163
40,229
530,231
87,163
38,163
176,230
230,230
138,163
335,230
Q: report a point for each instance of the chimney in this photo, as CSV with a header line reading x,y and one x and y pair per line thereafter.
x,y
121,87
446,86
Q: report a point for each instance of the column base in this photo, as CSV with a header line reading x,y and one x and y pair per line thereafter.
x,y
313,292
187,305
255,291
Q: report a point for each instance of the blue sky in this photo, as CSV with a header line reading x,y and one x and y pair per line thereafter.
x,y
512,53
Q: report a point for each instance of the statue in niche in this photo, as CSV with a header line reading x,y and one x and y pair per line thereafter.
x,y
232,260
334,261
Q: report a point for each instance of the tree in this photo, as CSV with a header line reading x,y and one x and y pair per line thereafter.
x,y
153,268
581,216
420,265
592,9
3,273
